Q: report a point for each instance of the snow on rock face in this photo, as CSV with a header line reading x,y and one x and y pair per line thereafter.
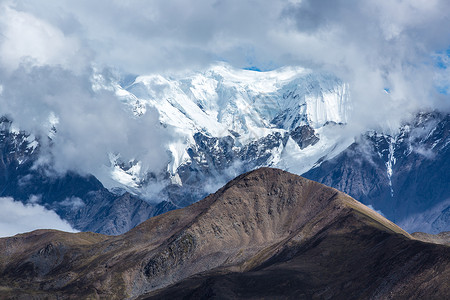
x,y
222,98
314,100
244,118
403,173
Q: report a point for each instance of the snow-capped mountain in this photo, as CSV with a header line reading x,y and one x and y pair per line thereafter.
x,y
229,121
222,122
404,175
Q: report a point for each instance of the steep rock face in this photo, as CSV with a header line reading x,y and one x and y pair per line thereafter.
x,y
404,175
230,121
306,239
304,136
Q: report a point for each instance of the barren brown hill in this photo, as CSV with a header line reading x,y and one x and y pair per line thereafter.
x,y
266,234
441,238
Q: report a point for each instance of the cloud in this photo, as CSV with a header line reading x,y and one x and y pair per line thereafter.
x,y
15,217
90,124
375,210
25,38
143,37
375,45
49,51
74,203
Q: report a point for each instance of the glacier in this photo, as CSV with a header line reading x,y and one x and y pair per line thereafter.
x,y
246,106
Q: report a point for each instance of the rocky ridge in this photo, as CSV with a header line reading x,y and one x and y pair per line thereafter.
x,y
404,174
306,239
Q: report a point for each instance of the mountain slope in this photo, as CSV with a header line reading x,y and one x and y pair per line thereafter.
x,y
232,121
81,200
405,175
229,121
334,266
264,225
222,122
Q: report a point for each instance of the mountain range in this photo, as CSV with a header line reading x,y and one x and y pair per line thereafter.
x,y
404,175
266,234
224,122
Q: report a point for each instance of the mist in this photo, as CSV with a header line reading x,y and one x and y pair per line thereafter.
x,y
393,54
16,217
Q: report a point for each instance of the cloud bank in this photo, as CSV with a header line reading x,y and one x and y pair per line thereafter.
x,y
15,217
392,53
90,124
384,49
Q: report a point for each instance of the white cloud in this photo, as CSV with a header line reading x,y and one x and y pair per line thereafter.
x,y
74,203
375,210
15,217
374,44
25,38
90,124
161,35
48,48
34,199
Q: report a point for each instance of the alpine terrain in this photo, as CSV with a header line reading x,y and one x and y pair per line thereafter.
x,y
405,174
266,234
225,121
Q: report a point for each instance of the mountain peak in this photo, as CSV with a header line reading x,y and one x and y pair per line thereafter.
x,y
255,223
242,106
